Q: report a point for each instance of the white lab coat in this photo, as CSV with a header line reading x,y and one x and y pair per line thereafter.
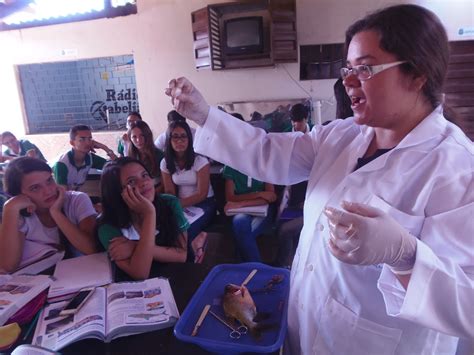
x,y
425,183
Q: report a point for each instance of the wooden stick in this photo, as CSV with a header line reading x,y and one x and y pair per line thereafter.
x,y
247,280
200,320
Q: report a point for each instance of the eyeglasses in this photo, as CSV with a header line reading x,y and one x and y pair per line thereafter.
x,y
365,72
177,137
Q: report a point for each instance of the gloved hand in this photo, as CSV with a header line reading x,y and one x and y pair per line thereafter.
x,y
187,100
365,235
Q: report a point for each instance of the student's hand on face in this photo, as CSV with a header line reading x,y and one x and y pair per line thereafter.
x,y
19,203
121,248
136,202
125,137
59,203
96,145
187,100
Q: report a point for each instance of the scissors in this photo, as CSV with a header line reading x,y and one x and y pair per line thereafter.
x,y
236,333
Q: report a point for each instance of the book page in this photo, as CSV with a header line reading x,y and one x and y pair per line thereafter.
x,y
259,211
74,274
37,257
135,307
17,291
27,349
55,332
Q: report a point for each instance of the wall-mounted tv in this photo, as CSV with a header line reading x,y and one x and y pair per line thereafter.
x,y
243,35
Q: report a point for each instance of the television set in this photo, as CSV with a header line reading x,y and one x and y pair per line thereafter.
x,y
243,35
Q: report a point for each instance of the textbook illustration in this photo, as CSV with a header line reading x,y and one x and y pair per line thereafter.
x,y
114,311
17,290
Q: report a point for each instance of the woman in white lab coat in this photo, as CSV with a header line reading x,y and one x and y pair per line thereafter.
x,y
385,260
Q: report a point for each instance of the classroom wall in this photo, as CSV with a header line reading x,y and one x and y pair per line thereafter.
x,y
160,39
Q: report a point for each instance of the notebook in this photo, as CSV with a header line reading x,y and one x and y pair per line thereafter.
x,y
72,275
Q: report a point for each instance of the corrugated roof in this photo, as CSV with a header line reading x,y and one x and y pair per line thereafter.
x,y
44,10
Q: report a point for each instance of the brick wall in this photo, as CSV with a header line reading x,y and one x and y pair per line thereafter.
x,y
98,92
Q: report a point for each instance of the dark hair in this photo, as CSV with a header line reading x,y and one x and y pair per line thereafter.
x,y
18,168
170,153
116,212
256,116
7,133
416,35
135,113
238,115
74,129
175,116
147,156
343,101
298,112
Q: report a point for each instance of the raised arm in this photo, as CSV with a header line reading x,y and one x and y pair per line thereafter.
x,y
80,236
138,265
11,239
277,158
110,153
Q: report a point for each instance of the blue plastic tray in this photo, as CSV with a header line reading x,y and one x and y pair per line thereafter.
x,y
213,335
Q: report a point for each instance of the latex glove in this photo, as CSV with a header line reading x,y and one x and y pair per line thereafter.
x,y
187,100
365,235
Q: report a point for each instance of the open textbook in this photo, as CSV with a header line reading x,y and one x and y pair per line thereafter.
x,y
117,310
72,275
37,257
259,211
16,291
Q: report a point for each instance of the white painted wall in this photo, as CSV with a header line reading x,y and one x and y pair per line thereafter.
x,y
160,38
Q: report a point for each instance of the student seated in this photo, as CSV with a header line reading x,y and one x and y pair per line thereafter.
x,y
41,211
143,149
124,141
187,176
17,148
299,119
72,167
172,116
139,226
243,191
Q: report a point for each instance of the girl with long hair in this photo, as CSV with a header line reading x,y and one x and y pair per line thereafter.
x,y
139,226
41,212
143,149
187,176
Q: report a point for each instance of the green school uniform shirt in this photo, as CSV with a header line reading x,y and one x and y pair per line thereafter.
x,y
108,232
241,181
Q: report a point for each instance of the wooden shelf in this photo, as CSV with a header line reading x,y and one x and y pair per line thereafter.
x,y
280,39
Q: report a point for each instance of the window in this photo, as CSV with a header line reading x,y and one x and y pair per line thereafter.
x,y
98,92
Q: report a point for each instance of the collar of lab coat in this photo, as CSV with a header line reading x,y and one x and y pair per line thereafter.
x,y
431,126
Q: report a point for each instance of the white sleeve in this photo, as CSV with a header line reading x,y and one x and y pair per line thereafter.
x,y
80,207
440,293
163,166
200,162
160,142
278,158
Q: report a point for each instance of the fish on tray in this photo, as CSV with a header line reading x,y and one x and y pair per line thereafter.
x,y
239,304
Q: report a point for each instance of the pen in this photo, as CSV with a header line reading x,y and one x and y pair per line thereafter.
x,y
33,323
